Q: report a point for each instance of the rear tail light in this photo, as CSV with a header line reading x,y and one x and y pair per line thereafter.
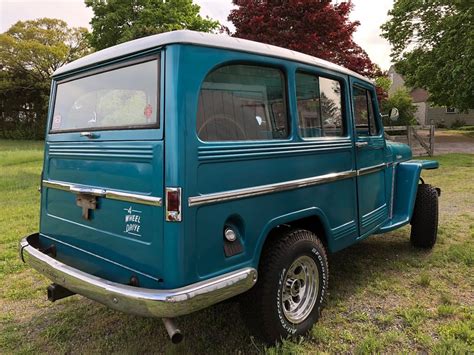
x,y
173,204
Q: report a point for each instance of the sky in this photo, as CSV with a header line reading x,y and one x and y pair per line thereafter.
x,y
370,13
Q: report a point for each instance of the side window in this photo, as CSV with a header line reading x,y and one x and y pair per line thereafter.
x,y
319,103
364,113
242,102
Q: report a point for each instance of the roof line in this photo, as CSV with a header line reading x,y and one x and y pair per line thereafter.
x,y
200,39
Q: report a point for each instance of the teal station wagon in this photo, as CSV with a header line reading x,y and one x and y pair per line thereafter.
x,y
183,169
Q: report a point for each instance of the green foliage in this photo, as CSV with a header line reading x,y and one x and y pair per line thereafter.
x,y
458,123
30,51
402,100
384,82
424,279
370,344
433,48
118,21
466,128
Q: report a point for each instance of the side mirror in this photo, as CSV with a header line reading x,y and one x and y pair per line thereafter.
x,y
393,114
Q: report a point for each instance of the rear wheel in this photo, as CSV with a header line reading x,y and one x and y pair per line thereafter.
x,y
424,222
293,279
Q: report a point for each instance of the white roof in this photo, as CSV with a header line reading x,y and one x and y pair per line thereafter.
x,y
201,39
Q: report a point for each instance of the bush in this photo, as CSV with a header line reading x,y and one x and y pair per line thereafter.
x,y
458,123
466,128
402,100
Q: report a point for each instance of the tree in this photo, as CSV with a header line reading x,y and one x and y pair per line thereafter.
x,y
402,100
30,51
117,21
433,48
382,85
315,27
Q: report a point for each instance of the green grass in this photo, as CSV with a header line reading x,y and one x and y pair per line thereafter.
x,y
467,131
384,296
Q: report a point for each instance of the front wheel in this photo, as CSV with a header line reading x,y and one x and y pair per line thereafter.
x,y
293,281
424,222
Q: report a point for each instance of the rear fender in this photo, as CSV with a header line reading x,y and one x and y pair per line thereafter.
x,y
287,219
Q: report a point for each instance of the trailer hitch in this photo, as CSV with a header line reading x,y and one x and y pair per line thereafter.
x,y
57,292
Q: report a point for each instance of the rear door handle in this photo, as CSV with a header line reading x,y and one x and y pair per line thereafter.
x,y
87,191
362,144
90,135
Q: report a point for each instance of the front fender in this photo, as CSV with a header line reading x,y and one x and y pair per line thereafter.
x,y
406,185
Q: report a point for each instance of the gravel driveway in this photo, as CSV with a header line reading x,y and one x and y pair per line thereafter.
x,y
445,142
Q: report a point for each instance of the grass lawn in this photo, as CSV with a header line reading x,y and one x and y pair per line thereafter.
x,y
384,295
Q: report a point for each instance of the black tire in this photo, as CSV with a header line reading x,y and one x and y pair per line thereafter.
x,y
262,307
424,222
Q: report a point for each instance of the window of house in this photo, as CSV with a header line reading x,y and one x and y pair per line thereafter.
x,y
450,110
364,116
319,103
242,102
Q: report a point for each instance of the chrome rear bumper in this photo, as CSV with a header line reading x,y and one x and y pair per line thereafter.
x,y
135,300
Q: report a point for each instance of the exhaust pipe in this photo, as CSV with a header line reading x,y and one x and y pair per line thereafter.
x,y
173,332
57,292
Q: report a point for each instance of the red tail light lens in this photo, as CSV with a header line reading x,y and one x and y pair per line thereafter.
x,y
173,204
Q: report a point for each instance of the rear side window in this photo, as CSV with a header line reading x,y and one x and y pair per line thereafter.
x,y
319,102
366,124
242,102
126,97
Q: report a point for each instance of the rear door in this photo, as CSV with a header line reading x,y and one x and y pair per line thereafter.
x,y
370,158
103,170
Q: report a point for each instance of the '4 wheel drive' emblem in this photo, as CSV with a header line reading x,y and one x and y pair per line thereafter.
x,y
133,220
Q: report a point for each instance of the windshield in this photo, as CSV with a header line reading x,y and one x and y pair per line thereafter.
x,y
126,97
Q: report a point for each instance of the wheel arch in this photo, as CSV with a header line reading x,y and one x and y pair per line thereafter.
x,y
313,219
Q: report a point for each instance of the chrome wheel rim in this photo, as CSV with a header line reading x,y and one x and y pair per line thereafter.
x,y
300,289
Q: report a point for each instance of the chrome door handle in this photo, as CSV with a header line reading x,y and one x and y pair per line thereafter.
x,y
88,191
362,144
90,135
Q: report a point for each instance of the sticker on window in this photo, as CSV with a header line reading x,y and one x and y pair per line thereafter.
x,y
57,122
148,112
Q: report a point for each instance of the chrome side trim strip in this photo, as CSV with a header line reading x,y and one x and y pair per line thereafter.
x,y
371,169
270,188
138,300
57,185
110,194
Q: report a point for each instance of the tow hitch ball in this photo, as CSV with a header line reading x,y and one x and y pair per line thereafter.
x,y
173,332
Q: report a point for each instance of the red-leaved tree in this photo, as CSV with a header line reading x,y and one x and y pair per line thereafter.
x,y
315,27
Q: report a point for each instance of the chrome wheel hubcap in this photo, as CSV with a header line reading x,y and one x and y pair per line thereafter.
x,y
300,289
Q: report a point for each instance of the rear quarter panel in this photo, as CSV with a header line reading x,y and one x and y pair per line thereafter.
x,y
207,167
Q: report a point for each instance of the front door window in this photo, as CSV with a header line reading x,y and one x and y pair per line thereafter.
x,y
365,121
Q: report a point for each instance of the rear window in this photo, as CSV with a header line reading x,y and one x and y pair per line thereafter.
x,y
121,98
242,102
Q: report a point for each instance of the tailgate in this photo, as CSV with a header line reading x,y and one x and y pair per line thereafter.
x,y
126,181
